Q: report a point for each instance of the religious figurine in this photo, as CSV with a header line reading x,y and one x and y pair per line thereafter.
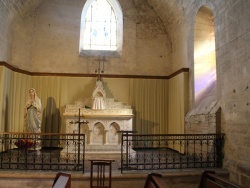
x,y
32,114
99,96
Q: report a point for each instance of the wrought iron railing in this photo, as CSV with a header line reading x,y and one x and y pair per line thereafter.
x,y
178,151
52,151
35,151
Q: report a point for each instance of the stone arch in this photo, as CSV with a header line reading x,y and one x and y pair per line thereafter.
x,y
85,130
113,136
98,134
204,58
205,106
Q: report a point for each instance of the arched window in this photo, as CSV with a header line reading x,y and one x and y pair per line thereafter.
x,y
101,28
204,57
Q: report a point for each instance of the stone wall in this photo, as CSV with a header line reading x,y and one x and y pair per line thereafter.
x,y
11,13
50,33
6,17
232,36
204,121
47,40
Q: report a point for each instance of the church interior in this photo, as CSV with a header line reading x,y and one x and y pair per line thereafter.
x,y
169,66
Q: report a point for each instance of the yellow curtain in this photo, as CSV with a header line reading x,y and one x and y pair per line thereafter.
x,y
178,107
178,103
13,89
48,90
159,105
19,95
2,98
55,93
148,98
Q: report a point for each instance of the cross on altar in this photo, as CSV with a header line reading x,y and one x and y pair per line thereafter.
x,y
98,70
79,131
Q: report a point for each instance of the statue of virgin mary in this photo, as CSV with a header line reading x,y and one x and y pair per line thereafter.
x,y
32,114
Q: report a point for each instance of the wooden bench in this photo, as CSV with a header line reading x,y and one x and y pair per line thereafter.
x,y
210,180
155,180
62,180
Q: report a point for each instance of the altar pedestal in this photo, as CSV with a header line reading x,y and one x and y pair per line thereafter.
x,y
101,131
106,118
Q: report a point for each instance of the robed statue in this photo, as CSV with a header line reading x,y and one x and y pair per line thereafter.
x,y
32,114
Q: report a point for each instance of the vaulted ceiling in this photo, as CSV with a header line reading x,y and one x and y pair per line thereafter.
x,y
170,11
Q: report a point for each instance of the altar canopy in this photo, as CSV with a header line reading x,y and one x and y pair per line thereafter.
x,y
105,118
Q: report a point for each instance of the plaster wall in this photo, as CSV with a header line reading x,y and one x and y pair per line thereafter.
x,y
48,41
11,13
6,17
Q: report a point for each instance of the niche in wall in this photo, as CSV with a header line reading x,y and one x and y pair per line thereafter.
x,y
204,58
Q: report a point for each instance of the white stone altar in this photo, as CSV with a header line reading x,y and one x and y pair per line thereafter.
x,y
105,118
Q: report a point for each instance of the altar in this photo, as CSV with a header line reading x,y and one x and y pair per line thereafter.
x,y
104,118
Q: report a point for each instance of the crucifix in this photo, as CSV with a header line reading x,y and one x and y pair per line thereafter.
x,y
79,131
100,71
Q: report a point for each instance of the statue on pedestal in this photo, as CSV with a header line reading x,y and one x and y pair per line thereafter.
x,y
32,114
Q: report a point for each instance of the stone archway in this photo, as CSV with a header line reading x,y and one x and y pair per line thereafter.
x,y
205,79
98,134
113,137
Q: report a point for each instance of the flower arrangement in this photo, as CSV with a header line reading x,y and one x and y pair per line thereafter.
x,y
24,143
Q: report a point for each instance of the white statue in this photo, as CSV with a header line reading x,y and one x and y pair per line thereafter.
x,y
32,114
99,96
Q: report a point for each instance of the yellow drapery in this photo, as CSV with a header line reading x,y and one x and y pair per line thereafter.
x,y
13,86
149,101
159,105
178,103
178,107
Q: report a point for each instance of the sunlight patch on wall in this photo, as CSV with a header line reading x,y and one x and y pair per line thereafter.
x,y
204,54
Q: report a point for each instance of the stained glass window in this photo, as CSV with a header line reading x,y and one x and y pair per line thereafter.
x,y
100,31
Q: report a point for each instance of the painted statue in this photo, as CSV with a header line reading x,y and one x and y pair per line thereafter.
x,y
33,113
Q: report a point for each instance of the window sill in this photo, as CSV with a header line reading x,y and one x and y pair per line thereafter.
x,y
95,53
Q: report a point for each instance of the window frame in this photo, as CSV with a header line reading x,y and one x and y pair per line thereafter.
x,y
119,21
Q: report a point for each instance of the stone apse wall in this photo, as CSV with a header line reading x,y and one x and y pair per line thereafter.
x,y
47,40
52,36
232,40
